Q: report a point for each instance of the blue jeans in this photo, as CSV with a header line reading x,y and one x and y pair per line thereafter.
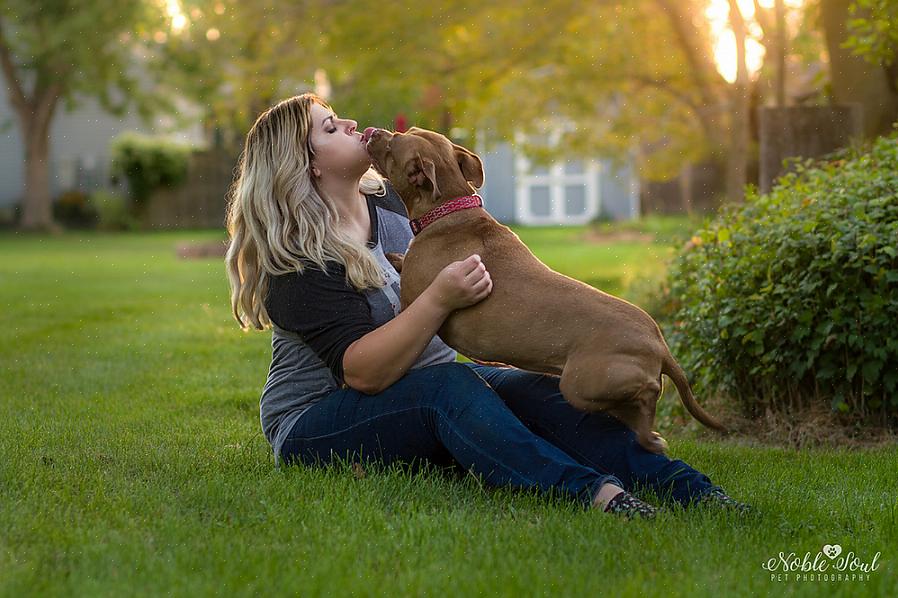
x,y
511,426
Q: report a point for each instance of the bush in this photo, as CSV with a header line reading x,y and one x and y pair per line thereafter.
x,y
148,163
73,210
793,296
112,210
10,215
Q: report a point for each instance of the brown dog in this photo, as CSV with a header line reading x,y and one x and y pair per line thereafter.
x,y
609,353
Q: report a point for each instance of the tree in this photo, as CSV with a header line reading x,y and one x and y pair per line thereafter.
x,y
871,82
637,75
236,59
576,63
873,25
62,51
467,63
737,163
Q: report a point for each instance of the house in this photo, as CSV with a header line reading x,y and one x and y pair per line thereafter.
x,y
572,191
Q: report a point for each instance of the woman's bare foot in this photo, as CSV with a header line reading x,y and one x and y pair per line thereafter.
x,y
606,493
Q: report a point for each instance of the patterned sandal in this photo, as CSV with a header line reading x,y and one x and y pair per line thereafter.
x,y
719,499
628,505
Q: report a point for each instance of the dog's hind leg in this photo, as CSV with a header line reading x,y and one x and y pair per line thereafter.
x,y
621,389
639,415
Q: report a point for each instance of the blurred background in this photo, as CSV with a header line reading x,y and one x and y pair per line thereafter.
x,y
124,114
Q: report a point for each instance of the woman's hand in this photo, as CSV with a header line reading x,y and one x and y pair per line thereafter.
x,y
461,284
375,361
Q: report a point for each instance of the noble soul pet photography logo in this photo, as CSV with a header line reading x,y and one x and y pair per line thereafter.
x,y
828,565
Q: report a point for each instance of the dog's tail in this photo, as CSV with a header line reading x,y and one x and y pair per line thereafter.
x,y
672,369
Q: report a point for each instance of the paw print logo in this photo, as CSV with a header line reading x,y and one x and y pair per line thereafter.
x,y
832,550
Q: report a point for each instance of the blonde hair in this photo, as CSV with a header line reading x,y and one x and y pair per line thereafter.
x,y
276,216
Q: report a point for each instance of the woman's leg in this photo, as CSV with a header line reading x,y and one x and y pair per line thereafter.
x,y
597,440
432,413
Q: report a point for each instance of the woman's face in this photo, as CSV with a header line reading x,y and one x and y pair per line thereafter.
x,y
338,147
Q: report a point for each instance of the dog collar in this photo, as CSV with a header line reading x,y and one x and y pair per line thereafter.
x,y
459,203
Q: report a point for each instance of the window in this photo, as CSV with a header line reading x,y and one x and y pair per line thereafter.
x,y
565,192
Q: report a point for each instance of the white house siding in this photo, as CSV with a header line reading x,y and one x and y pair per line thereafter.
x,y
620,190
498,186
12,167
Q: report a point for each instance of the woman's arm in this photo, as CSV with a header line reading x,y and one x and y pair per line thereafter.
x,y
379,358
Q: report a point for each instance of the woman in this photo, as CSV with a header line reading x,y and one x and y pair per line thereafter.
x,y
310,223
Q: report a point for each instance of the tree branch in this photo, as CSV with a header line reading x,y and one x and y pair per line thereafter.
x,y
763,21
701,112
18,97
687,35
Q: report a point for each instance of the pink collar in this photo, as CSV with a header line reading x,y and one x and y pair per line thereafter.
x,y
459,203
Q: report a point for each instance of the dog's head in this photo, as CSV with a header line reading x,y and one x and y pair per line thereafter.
x,y
425,168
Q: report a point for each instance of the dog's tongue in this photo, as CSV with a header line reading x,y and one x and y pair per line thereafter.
x,y
367,134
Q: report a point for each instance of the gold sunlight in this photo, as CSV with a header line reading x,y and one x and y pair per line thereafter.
x,y
724,40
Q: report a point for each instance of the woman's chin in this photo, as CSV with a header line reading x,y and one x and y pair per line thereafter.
x,y
367,162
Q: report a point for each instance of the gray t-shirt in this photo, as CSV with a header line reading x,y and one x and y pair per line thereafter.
x,y
321,311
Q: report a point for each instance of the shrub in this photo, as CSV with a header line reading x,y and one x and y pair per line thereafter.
x,y
73,210
148,163
112,210
10,215
793,296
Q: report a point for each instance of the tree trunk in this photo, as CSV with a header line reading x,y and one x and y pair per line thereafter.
x,y
35,113
708,82
37,206
686,188
780,53
854,80
737,161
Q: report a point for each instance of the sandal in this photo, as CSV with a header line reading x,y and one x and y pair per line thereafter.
x,y
628,505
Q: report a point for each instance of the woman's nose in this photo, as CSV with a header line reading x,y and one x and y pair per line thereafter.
x,y
353,126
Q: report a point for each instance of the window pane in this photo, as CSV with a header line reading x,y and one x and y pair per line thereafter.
x,y
575,200
540,202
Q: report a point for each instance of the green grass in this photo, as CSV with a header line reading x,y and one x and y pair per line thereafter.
x,y
132,462
611,268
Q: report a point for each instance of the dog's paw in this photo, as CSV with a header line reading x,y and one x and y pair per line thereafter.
x,y
659,445
652,442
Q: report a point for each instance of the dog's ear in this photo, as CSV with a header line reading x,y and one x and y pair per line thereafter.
x,y
423,171
470,165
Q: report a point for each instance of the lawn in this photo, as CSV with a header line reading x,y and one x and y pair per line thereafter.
x,y
133,462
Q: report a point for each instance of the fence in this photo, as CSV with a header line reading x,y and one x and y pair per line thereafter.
x,y
200,202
